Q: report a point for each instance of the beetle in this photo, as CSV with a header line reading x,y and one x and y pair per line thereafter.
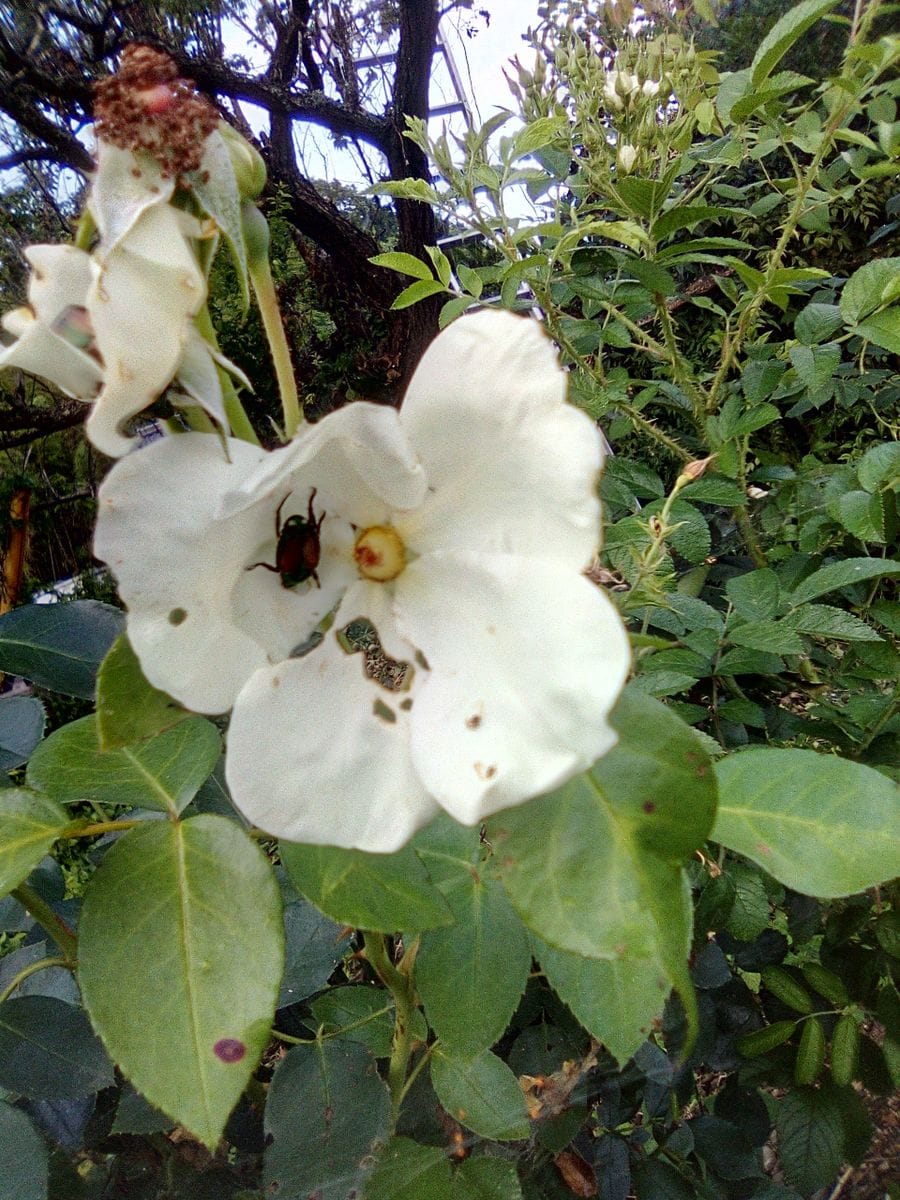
x,y
297,551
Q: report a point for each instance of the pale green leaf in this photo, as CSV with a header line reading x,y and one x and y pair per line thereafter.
x,y
129,708
420,290
880,465
215,186
163,773
754,595
774,637
182,924
821,825
882,328
29,825
471,975
842,574
875,283
406,264
384,892
783,34
824,621
482,1094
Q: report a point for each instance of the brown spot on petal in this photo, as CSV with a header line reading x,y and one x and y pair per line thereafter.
x,y
474,721
229,1050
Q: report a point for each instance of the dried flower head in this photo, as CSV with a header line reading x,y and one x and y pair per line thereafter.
x,y
148,106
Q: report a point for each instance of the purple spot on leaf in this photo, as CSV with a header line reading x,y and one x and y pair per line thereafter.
x,y
230,1050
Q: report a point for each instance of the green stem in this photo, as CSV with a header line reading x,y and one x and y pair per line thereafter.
x,y
400,987
78,830
48,920
31,969
267,302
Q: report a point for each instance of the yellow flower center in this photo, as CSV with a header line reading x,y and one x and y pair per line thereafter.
x,y
379,553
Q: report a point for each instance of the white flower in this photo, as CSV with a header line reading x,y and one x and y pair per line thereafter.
x,y
116,327
626,156
621,87
53,335
469,664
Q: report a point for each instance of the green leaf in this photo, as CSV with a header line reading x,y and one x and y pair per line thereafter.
x,y
442,268
215,186
685,215
616,1000
824,621
880,465
810,1137
715,489
862,514
842,574
162,773
29,825
182,925
485,1178
406,264
383,892
59,646
21,728
820,824
23,1156
882,328
328,1153
774,637
875,283
129,708
471,975
420,290
749,912
583,864
470,280
482,1094
755,596
817,322
48,1050
454,308
408,1171
537,134
370,1010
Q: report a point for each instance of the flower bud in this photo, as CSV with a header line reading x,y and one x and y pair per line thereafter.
x,y
256,233
626,158
247,162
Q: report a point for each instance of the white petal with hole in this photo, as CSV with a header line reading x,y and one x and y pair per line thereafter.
x,y
526,663
310,759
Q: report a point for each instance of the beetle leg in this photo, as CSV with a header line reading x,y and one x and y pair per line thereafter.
x,y
310,515
268,567
278,517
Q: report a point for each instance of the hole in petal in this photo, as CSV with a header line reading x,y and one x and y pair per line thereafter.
x,y
381,710
361,636
406,704
422,661
178,616
314,640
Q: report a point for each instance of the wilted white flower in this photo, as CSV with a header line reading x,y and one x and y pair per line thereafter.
x,y
621,87
116,327
393,603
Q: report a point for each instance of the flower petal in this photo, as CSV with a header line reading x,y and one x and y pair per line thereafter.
x,y
358,458
140,311
40,351
123,187
309,759
526,661
60,277
512,468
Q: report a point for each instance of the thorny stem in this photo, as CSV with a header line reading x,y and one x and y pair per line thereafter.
x,y
31,969
400,986
48,920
